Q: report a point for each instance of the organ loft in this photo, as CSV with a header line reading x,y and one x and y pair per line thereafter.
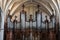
x,y
29,20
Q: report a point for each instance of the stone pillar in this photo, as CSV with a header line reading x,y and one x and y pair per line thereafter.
x,y
59,19
2,27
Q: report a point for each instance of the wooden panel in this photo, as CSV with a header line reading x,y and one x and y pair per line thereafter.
x,y
9,35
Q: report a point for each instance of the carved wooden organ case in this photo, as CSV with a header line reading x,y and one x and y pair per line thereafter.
x,y
38,21
32,25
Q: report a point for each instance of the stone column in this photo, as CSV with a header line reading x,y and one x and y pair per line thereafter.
x,y
2,27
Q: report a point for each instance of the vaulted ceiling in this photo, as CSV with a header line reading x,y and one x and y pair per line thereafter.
x,y
15,5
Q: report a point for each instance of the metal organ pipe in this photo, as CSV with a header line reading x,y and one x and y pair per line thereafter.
x,y
53,20
31,24
15,23
9,20
15,27
10,26
53,23
39,18
46,24
22,14
22,19
38,23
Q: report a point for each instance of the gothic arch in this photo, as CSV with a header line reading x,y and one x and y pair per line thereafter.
x,y
6,4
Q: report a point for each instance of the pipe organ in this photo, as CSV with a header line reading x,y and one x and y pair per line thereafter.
x,y
31,30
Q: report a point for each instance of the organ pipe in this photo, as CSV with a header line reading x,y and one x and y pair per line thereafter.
x,y
14,27
9,21
53,20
